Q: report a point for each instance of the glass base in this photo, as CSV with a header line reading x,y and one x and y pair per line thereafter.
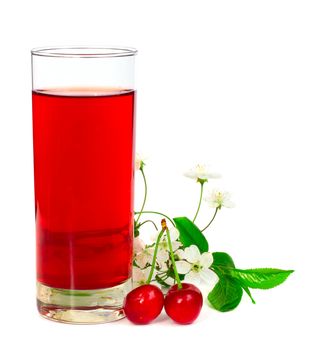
x,y
82,306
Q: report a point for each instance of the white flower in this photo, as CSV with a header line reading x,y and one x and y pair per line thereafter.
x,y
138,245
139,161
162,257
163,247
195,266
201,172
144,257
174,236
174,233
140,276
219,199
179,254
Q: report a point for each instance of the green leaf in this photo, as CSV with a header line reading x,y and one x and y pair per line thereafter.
x,y
247,290
226,295
222,259
260,278
223,264
190,234
264,278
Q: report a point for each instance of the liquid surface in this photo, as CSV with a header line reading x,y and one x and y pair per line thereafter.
x,y
83,164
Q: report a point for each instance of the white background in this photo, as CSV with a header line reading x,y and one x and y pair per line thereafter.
x,y
221,82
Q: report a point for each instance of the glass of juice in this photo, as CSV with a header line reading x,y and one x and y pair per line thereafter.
x,y
83,101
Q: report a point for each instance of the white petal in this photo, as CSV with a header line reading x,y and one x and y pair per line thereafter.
x,y
228,204
161,266
170,281
162,256
140,260
174,234
163,244
217,198
135,284
137,274
180,254
213,204
191,174
193,277
183,267
214,175
149,256
209,278
138,245
201,172
213,196
206,260
145,257
176,245
137,164
139,158
192,254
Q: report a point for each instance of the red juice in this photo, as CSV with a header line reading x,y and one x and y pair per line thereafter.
x,y
83,167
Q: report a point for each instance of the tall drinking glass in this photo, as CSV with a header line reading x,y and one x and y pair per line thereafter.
x,y
83,137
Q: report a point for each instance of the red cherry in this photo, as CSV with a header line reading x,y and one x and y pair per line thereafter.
x,y
183,305
143,304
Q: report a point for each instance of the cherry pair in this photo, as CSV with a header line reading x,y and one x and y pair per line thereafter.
x,y
143,304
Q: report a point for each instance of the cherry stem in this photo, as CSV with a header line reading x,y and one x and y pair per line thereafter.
x,y
177,277
216,210
145,193
148,281
200,199
155,212
144,222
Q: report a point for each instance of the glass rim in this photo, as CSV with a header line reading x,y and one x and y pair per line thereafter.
x,y
84,51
